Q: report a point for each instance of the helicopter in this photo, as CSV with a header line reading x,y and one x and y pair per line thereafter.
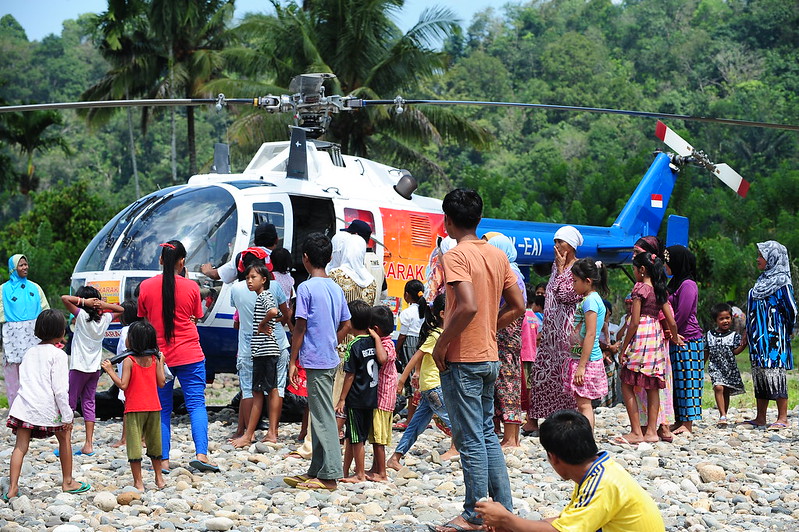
x,y
307,185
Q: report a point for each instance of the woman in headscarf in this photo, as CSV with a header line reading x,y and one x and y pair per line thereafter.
x,y
547,393
350,273
652,244
21,302
687,361
508,387
769,323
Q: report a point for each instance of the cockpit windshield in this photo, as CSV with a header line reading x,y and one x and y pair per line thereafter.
x,y
203,219
99,249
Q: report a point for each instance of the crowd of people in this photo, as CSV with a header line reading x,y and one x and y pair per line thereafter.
x,y
477,349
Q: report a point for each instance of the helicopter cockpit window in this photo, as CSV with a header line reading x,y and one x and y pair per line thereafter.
x,y
99,249
203,219
272,213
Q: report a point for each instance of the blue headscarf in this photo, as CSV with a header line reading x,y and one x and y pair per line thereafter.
x,y
505,245
21,301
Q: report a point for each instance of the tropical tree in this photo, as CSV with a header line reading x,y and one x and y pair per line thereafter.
x,y
161,48
371,57
32,133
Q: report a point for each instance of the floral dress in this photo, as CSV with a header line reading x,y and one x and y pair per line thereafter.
x,y
547,393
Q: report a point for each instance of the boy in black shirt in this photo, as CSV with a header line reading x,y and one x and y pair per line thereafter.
x,y
359,393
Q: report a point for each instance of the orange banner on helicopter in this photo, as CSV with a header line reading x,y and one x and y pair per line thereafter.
x,y
109,290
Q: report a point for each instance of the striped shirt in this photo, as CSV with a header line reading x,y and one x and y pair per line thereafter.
x,y
387,378
609,499
264,344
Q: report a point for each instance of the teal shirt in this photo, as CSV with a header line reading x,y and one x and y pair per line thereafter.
x,y
593,302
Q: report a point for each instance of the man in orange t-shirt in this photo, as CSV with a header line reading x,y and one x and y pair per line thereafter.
x,y
478,276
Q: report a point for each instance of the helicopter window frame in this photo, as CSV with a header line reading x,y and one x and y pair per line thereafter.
x,y
272,215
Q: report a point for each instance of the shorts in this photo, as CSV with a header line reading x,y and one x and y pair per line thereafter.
x,y
264,373
358,425
244,369
381,427
147,424
282,372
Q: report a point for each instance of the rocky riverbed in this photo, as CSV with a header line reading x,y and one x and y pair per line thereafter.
x,y
732,478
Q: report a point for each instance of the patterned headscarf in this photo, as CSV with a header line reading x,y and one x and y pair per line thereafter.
x,y
778,269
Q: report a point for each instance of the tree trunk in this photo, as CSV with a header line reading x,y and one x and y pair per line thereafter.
x,y
132,147
190,140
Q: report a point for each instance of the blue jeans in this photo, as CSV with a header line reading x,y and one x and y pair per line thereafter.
x,y
469,396
432,403
192,381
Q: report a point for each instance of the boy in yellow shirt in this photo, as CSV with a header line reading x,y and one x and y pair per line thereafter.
x,y
605,496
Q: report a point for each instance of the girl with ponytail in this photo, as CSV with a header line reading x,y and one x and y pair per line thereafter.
x,y
410,323
172,304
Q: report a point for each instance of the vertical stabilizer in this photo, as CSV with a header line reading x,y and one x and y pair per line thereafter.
x,y
644,211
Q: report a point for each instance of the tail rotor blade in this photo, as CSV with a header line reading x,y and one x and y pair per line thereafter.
x,y
732,179
673,140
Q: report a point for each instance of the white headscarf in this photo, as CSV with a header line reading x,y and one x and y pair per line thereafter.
x,y
446,244
570,235
338,242
352,261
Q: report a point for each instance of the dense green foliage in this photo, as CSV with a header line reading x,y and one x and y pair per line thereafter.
x,y
730,58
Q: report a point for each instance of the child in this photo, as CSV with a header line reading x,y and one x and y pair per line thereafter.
x,y
432,401
723,345
129,316
585,374
281,270
87,352
533,320
609,346
142,375
322,320
42,408
411,320
605,496
265,353
359,393
644,349
381,325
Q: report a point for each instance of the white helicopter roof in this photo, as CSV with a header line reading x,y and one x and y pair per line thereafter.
x,y
330,174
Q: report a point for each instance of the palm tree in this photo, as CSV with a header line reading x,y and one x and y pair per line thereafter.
x,y
161,48
32,134
371,57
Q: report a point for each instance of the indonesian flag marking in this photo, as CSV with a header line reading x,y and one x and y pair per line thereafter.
x,y
657,201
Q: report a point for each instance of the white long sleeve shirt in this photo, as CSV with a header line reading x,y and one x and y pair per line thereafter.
x,y
43,397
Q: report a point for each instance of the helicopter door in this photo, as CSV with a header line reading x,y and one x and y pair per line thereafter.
x,y
311,215
274,212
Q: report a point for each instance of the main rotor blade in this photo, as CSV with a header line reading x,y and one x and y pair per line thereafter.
x,y
645,114
163,102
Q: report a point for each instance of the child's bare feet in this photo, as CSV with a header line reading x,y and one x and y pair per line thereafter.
x,y
120,443
354,479
507,444
270,438
374,477
682,429
160,484
139,485
241,442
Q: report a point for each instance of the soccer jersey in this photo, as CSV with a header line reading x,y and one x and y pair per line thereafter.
x,y
361,360
609,499
264,344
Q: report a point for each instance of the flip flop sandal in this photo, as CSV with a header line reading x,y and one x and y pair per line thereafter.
x,y
293,481
204,466
313,484
621,440
777,426
5,497
81,453
294,454
84,487
752,423
450,526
